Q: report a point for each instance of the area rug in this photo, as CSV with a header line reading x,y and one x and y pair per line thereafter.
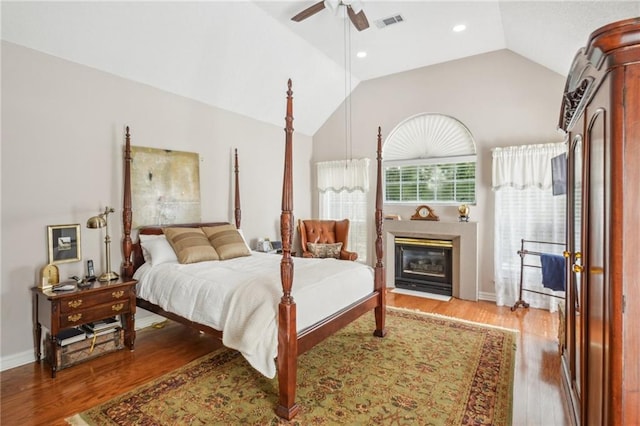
x,y
428,370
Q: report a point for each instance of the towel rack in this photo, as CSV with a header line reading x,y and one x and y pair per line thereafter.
x,y
523,253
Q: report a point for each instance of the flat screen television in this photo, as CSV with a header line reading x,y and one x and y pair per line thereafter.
x,y
559,174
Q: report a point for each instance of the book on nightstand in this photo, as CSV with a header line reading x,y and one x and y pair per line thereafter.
x,y
70,335
105,324
93,334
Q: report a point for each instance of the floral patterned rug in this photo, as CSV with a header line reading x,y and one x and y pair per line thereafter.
x,y
428,370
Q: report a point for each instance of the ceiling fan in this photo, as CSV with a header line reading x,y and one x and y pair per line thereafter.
x,y
353,8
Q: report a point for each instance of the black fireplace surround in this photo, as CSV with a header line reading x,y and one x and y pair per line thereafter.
x,y
424,264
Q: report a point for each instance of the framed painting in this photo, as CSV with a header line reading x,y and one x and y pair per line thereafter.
x,y
165,186
64,243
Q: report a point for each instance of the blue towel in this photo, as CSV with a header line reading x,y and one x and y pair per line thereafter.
x,y
553,276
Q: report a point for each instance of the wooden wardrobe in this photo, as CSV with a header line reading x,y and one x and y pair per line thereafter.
x,y
601,114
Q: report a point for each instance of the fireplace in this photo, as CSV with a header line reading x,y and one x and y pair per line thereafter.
x,y
424,264
464,236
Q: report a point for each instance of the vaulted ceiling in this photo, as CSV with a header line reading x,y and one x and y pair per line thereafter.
x,y
237,55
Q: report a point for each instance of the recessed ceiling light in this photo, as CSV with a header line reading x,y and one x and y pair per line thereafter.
x,y
460,27
361,54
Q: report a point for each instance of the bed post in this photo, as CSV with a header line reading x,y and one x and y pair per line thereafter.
x,y
380,285
287,334
127,265
237,210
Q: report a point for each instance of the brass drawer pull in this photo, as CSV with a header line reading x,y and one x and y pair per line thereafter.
x,y
117,294
577,268
75,303
74,317
117,307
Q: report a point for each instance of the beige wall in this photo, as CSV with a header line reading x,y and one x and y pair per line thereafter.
x,y
503,98
62,138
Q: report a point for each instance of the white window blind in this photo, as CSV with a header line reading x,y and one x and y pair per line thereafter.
x,y
343,186
440,183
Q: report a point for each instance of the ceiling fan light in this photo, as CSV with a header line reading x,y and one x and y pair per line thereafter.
x,y
332,4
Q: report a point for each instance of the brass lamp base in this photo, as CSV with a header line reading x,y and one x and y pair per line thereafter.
x,y
108,276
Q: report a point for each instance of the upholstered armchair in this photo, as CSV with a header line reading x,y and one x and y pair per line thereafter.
x,y
323,235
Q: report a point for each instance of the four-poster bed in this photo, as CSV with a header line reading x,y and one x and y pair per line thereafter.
x,y
293,331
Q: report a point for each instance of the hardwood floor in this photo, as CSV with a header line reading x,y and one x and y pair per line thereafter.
x,y
30,397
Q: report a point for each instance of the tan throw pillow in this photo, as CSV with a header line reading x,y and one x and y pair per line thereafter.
x,y
325,250
190,245
227,241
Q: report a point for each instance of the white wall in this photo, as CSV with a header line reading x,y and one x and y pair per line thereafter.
x,y
62,139
503,98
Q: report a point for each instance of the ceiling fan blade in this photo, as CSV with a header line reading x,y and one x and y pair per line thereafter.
x,y
359,19
312,10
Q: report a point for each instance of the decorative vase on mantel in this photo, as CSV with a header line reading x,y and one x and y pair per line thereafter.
x,y
463,213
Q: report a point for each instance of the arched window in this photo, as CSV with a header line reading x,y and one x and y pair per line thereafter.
x,y
430,158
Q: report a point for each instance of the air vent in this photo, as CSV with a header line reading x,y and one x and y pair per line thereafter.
x,y
385,22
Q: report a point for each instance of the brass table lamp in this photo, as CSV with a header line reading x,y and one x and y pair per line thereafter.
x,y
101,221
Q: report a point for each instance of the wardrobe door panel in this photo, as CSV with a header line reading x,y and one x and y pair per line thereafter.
x,y
574,294
596,266
573,352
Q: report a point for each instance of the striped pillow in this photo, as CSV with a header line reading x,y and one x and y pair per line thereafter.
x,y
227,241
190,245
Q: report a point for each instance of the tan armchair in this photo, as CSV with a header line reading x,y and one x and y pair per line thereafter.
x,y
325,232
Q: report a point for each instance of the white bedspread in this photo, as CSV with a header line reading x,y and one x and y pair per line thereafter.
x,y
240,297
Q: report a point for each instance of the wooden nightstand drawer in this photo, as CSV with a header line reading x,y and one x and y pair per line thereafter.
x,y
83,301
77,317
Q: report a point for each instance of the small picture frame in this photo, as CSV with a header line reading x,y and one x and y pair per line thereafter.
x,y
64,243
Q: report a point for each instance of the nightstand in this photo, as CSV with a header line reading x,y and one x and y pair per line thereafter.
x,y
65,309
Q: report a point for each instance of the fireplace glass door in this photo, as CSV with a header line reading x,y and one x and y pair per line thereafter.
x,y
424,265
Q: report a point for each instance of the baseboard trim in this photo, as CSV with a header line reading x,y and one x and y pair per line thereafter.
x,y
16,360
489,297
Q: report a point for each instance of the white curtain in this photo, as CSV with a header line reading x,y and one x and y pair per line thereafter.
x,y
526,209
343,186
344,175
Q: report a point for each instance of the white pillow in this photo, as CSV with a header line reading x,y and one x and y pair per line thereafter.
x,y
144,240
158,249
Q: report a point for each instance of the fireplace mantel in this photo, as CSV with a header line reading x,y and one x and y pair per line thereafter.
x,y
465,250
